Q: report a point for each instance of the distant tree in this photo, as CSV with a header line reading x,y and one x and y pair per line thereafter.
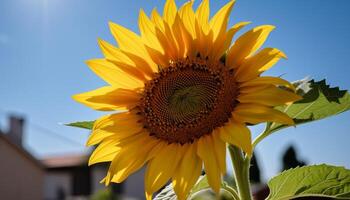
x,y
106,194
290,159
254,170
60,194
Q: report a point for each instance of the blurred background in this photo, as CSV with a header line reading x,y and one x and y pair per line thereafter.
x,y
43,46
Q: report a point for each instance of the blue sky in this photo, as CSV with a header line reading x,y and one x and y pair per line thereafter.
x,y
44,43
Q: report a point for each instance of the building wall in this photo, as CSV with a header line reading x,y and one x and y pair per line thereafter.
x,y
134,185
98,173
131,189
57,185
20,177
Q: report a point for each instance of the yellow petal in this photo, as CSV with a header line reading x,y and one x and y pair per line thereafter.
x,y
122,145
131,158
127,40
157,19
183,38
123,61
268,80
254,114
157,148
162,167
188,17
207,153
140,64
230,34
167,41
112,52
237,134
247,44
253,66
252,89
172,47
131,70
105,152
157,57
177,31
270,96
165,36
148,196
203,40
223,42
169,11
153,45
188,172
130,42
202,14
109,120
97,136
108,98
219,21
148,32
113,75
120,125
220,151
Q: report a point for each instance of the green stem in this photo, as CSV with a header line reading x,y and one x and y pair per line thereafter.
x,y
232,192
262,135
241,166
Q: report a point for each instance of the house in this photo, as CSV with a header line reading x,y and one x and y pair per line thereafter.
x,y
21,175
69,177
63,177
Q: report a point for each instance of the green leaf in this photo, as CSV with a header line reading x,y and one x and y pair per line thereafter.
x,y
82,124
199,191
319,101
311,181
202,186
166,194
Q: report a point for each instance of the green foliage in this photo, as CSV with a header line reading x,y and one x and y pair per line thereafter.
x,y
82,124
200,191
311,181
166,194
319,101
203,185
106,194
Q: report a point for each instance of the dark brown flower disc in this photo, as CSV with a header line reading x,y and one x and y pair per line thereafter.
x,y
188,99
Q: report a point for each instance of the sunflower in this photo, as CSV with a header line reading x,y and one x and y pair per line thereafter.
x,y
181,92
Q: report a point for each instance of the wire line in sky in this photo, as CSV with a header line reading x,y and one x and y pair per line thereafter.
x,y
47,131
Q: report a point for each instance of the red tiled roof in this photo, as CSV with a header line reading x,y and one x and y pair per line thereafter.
x,y
65,160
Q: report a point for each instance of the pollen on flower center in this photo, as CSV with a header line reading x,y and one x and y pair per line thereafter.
x,y
188,99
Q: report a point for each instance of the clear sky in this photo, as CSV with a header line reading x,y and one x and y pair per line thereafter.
x,y
44,43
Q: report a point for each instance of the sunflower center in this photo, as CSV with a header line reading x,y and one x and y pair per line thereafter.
x,y
188,99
